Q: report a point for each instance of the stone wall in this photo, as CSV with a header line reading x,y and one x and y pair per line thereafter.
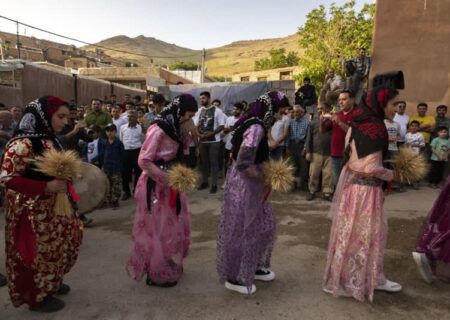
x,y
414,36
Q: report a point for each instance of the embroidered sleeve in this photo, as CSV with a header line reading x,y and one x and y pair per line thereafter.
x,y
247,152
17,155
149,153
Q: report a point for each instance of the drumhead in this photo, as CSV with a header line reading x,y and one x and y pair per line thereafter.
x,y
92,186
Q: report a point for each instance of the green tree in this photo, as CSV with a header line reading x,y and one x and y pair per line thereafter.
x,y
181,65
131,64
330,37
277,59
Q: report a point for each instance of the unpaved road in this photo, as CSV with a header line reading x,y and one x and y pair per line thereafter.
x,y
101,288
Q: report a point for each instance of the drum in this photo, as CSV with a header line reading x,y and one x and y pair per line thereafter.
x,y
92,186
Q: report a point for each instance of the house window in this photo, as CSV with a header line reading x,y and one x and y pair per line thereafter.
x,y
245,79
262,78
136,85
286,75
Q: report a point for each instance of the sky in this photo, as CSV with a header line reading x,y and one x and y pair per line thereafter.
x,y
193,24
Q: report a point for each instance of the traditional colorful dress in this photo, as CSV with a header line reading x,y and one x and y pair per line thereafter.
x,y
41,247
358,235
434,240
359,230
162,225
247,225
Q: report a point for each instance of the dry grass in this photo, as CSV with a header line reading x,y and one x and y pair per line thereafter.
x,y
182,179
409,167
279,175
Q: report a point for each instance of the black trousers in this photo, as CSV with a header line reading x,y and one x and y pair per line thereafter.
x,y
437,171
130,168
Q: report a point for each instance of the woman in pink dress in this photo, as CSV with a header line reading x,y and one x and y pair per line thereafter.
x,y
354,265
162,226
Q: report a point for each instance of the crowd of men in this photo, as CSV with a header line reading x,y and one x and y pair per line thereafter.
x,y
109,134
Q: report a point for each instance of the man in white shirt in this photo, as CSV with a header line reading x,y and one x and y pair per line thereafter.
x,y
211,121
118,121
402,119
227,135
132,136
332,87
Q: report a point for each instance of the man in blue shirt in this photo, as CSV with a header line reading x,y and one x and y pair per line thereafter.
x,y
298,129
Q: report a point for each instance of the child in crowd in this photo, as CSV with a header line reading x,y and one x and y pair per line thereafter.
x,y
393,129
415,140
90,150
440,151
111,161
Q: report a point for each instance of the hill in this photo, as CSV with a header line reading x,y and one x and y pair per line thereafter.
x,y
236,57
240,56
147,46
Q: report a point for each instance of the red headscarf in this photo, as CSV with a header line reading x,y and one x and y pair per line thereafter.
x,y
368,128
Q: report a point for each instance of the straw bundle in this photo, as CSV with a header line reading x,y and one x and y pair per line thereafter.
x,y
182,179
279,175
408,166
64,165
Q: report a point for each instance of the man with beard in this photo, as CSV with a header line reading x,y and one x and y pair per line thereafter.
x,y
211,121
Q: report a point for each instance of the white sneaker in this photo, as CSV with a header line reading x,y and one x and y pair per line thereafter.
x,y
240,289
264,275
423,265
339,293
389,286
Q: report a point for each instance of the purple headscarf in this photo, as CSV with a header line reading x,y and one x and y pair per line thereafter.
x,y
265,107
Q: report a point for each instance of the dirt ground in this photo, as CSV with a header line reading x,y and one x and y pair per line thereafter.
x,y
101,288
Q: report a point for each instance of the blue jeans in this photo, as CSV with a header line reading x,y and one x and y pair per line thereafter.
x,y
336,165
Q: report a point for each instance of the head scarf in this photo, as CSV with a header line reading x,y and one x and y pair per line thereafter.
x,y
368,129
35,123
169,118
265,107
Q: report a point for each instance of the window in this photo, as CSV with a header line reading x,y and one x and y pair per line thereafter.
x,y
136,85
245,79
286,75
262,78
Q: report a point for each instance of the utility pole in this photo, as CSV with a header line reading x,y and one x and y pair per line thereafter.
x,y
18,39
202,79
1,49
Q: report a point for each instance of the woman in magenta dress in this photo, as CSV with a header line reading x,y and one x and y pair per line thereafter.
x,y
433,247
247,225
358,234
162,225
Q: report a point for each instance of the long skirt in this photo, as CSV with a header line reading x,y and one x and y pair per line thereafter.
x,y
357,242
434,239
246,230
41,247
161,236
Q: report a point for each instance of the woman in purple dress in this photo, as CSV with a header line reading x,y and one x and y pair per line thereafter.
x,y
247,225
433,246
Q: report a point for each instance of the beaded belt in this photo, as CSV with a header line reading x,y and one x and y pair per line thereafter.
x,y
370,181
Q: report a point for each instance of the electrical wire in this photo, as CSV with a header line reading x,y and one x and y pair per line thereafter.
x,y
99,46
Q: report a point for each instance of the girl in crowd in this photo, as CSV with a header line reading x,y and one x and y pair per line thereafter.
x,y
41,246
358,234
162,226
247,225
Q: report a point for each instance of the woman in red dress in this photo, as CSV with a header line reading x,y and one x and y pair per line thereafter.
x,y
41,246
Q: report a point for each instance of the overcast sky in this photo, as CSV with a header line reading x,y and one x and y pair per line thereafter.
x,y
193,24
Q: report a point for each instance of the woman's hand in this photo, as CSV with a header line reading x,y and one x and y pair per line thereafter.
x,y
56,186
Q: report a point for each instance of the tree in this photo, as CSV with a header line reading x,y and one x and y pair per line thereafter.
x,y
329,38
181,65
277,59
